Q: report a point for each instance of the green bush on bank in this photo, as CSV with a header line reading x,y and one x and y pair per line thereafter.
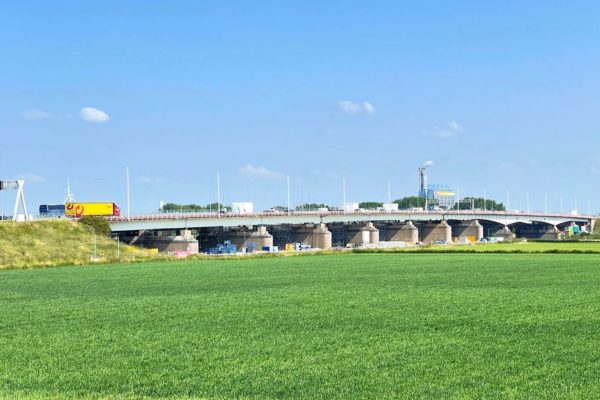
x,y
98,225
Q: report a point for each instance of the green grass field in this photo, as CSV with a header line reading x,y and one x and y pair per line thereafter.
x,y
336,326
524,247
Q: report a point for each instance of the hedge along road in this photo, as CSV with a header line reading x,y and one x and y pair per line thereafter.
x,y
335,326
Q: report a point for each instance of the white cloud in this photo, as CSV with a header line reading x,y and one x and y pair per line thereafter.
x,y
31,178
92,114
259,172
352,108
369,108
508,165
451,129
455,126
33,115
428,163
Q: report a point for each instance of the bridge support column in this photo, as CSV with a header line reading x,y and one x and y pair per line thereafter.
x,y
505,233
182,242
407,232
360,236
470,230
539,231
242,238
434,231
318,237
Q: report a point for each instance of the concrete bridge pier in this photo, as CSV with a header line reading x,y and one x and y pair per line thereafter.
x,y
539,231
317,236
184,241
432,231
472,230
242,238
362,235
407,232
505,233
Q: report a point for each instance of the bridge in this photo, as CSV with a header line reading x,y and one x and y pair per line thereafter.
x,y
323,229
165,221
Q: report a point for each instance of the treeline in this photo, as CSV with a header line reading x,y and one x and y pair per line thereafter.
x,y
404,203
212,207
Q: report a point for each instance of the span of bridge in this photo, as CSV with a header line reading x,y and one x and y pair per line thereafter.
x,y
168,221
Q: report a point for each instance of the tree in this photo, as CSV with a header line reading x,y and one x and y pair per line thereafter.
x,y
311,206
100,226
174,207
406,203
480,203
370,205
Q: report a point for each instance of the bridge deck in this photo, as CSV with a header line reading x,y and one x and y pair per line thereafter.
x,y
205,220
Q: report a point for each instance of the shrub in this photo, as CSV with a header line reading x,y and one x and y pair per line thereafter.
x,y
98,225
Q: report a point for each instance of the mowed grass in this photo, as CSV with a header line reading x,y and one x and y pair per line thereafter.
x,y
330,327
589,247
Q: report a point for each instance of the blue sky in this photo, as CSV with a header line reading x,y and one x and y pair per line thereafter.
x,y
501,97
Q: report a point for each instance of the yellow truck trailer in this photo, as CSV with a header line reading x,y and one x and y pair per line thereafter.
x,y
83,209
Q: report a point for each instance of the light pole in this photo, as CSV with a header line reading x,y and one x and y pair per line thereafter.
x,y
288,195
561,203
344,194
118,239
484,205
128,198
93,232
218,195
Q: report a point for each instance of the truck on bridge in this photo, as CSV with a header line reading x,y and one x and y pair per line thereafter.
x,y
96,209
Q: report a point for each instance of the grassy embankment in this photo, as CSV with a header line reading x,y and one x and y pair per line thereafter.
x,y
57,242
331,327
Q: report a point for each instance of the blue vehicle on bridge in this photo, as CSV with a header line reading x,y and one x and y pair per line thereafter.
x,y
52,210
